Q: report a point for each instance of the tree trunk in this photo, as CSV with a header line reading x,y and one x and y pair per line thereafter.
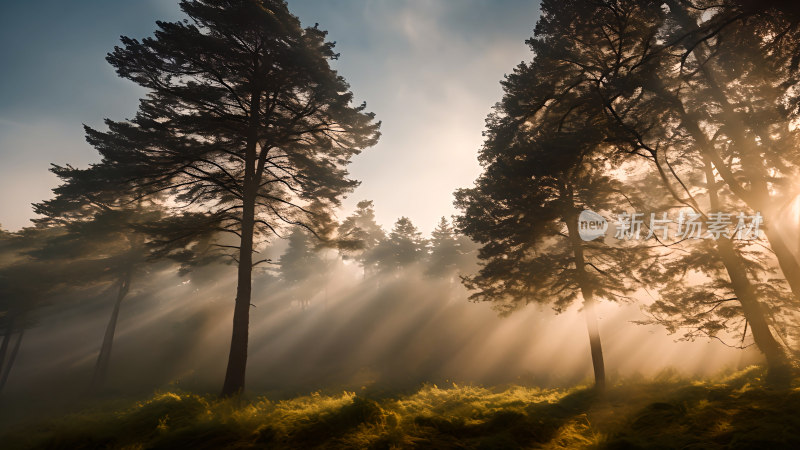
x,y
11,359
777,360
594,342
6,341
751,307
104,358
587,292
237,357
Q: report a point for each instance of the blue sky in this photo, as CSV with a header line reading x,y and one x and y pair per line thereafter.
x,y
429,69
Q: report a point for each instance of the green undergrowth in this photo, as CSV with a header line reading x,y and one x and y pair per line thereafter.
x,y
738,411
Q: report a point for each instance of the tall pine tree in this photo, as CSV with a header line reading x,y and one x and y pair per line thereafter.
x,y
244,124
543,163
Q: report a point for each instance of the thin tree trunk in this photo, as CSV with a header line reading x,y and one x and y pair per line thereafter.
x,y
104,358
587,292
11,359
6,341
237,359
594,341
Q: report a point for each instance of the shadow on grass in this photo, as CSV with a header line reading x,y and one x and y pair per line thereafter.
x,y
741,412
533,424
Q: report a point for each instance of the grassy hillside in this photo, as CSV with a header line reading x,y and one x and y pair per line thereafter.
x,y
738,411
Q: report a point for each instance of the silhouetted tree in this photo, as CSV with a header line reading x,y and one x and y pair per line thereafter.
x,y
18,296
710,306
716,105
403,247
670,106
450,253
245,123
100,229
524,211
12,302
27,284
303,266
753,147
545,159
360,235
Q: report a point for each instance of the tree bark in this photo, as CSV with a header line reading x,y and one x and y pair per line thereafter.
x,y
587,292
104,358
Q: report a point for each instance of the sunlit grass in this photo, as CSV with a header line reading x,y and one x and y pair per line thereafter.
x,y
738,410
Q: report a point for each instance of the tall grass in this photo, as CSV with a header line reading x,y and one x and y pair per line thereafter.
x,y
737,411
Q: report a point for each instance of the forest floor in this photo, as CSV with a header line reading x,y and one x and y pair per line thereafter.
x,y
737,411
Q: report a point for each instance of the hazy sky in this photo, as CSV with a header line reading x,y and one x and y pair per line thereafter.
x,y
429,69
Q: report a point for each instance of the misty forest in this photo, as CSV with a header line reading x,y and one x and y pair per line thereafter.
x,y
621,270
